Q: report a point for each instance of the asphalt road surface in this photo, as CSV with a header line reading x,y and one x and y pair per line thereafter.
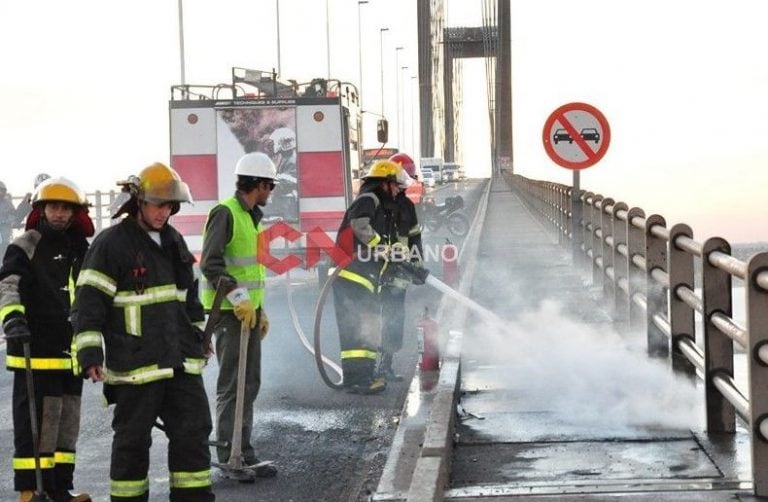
x,y
326,444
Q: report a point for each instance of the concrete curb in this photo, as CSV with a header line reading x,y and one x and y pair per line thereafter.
x,y
426,472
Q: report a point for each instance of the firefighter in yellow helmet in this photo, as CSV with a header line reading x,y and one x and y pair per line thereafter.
x,y
393,293
137,298
36,287
365,233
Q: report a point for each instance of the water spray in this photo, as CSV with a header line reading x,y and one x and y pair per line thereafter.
x,y
421,274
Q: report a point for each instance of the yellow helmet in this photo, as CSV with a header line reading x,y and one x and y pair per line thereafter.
x,y
159,183
59,190
390,171
384,169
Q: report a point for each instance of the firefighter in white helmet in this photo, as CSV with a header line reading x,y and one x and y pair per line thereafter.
x,y
230,250
137,297
35,298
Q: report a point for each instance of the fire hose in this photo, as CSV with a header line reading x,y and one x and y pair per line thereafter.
x,y
321,360
408,268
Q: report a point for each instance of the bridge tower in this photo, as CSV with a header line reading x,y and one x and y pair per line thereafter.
x,y
438,48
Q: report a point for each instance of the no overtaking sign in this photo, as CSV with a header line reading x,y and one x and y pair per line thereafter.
x,y
576,136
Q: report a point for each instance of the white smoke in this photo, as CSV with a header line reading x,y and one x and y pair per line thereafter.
x,y
587,373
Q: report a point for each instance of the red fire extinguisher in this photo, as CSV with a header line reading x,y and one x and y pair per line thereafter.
x,y
450,258
429,342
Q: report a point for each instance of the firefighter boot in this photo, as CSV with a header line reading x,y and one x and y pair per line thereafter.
x,y
30,496
386,370
373,386
65,496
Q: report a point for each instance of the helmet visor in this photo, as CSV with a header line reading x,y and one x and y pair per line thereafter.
x,y
163,191
403,179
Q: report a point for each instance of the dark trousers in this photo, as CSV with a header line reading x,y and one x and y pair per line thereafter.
x,y
393,313
358,318
227,332
57,401
181,403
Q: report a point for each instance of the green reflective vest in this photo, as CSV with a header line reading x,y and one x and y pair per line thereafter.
x,y
240,256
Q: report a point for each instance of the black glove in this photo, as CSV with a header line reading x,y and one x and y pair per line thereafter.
x,y
16,328
419,275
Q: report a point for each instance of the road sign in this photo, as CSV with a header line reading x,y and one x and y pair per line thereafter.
x,y
576,136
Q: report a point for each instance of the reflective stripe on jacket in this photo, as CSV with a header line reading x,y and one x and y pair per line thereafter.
x,y
136,306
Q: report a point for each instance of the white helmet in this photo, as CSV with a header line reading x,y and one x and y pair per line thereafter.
x,y
256,165
283,139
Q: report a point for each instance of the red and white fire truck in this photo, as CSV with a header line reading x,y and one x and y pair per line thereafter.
x,y
312,131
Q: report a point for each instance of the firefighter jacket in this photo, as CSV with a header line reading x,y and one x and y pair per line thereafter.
x,y
36,281
407,224
138,302
371,225
230,250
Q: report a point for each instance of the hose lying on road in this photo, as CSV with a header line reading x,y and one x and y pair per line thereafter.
x,y
320,359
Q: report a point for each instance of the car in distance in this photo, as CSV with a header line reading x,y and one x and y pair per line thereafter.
x,y
590,134
561,135
428,178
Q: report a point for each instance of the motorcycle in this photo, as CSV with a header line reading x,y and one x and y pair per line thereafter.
x,y
434,215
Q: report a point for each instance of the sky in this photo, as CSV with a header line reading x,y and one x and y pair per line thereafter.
x,y
682,85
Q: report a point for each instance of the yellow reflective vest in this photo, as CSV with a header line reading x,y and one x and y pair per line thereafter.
x,y
241,257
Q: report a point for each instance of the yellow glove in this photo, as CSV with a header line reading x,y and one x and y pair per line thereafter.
x,y
244,309
263,325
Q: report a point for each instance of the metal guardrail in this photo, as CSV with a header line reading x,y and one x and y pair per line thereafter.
x,y
647,273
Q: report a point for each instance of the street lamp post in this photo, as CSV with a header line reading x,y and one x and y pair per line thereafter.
x,y
181,43
328,39
413,122
360,52
381,65
397,93
401,110
277,9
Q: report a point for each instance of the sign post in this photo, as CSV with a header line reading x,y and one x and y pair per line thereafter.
x,y
576,136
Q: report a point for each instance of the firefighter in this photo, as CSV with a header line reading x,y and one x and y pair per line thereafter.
x,y
365,233
137,298
415,192
35,298
230,252
7,218
25,206
408,233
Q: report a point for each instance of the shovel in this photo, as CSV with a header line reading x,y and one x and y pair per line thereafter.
x,y
39,495
234,468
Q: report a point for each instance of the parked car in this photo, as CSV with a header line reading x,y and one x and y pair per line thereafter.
x,y
561,135
428,178
590,134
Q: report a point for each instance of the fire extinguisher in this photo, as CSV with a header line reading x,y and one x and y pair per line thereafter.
x,y
450,258
429,342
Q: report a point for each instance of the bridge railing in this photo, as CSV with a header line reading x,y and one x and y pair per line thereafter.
x,y
649,274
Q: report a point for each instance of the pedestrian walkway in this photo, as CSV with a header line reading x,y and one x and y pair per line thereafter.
x,y
556,400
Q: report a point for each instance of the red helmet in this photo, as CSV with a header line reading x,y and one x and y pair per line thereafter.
x,y
405,161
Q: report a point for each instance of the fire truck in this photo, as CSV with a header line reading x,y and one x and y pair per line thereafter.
x,y
312,131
